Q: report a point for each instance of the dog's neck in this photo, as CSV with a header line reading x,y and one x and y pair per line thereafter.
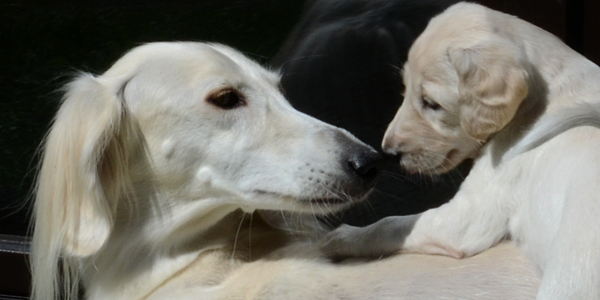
x,y
566,73
529,112
175,237
555,74
154,240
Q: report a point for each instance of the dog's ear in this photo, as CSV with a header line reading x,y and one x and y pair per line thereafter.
x,y
85,168
492,84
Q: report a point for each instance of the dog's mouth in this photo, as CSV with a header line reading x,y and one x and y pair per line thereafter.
x,y
450,161
337,201
332,202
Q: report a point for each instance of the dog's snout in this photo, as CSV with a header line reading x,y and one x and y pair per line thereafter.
x,y
390,147
394,145
361,163
367,166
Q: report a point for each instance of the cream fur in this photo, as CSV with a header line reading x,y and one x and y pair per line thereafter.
x,y
486,85
150,190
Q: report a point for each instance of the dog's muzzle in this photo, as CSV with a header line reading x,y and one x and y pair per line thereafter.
x,y
366,166
362,164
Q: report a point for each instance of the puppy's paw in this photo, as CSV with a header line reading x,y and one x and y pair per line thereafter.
x,y
344,242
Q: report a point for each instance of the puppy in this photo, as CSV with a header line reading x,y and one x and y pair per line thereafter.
x,y
483,84
179,174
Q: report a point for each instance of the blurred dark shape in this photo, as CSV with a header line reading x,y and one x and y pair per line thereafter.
x,y
342,64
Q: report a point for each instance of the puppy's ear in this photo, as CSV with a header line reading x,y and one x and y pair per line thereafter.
x,y
85,169
492,85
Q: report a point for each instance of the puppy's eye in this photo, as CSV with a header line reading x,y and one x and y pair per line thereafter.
x,y
430,104
227,98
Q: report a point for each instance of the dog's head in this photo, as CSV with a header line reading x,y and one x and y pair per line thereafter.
x,y
465,80
193,129
217,125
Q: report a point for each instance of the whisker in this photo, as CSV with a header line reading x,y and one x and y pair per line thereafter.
x,y
250,238
283,216
236,237
387,195
399,176
299,58
313,212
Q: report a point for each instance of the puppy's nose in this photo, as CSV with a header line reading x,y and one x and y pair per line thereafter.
x,y
393,146
389,147
367,165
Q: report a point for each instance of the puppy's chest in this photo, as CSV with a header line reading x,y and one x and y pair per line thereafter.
x,y
534,223
531,238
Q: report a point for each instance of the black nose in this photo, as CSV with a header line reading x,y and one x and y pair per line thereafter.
x,y
367,165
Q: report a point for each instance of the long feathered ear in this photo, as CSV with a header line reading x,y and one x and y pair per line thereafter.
x,y
492,85
84,173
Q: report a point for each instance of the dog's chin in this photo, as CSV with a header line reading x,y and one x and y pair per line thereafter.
x,y
325,205
317,204
433,166
336,202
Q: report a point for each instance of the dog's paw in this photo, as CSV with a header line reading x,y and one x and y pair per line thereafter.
x,y
344,242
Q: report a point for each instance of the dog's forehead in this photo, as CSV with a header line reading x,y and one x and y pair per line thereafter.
x,y
429,57
189,58
419,74
429,54
235,66
458,26
235,63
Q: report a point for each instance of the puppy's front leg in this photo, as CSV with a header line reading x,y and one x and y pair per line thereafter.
x,y
382,238
468,224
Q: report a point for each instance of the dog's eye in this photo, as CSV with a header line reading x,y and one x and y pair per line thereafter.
x,y
226,98
430,104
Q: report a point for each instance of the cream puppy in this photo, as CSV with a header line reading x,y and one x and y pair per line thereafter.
x,y
485,85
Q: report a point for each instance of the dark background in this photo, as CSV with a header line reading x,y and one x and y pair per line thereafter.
x,y
43,43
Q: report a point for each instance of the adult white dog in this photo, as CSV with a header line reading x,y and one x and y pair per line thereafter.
x,y
150,168
478,84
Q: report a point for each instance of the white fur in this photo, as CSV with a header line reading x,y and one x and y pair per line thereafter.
x,y
148,190
487,85
584,114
